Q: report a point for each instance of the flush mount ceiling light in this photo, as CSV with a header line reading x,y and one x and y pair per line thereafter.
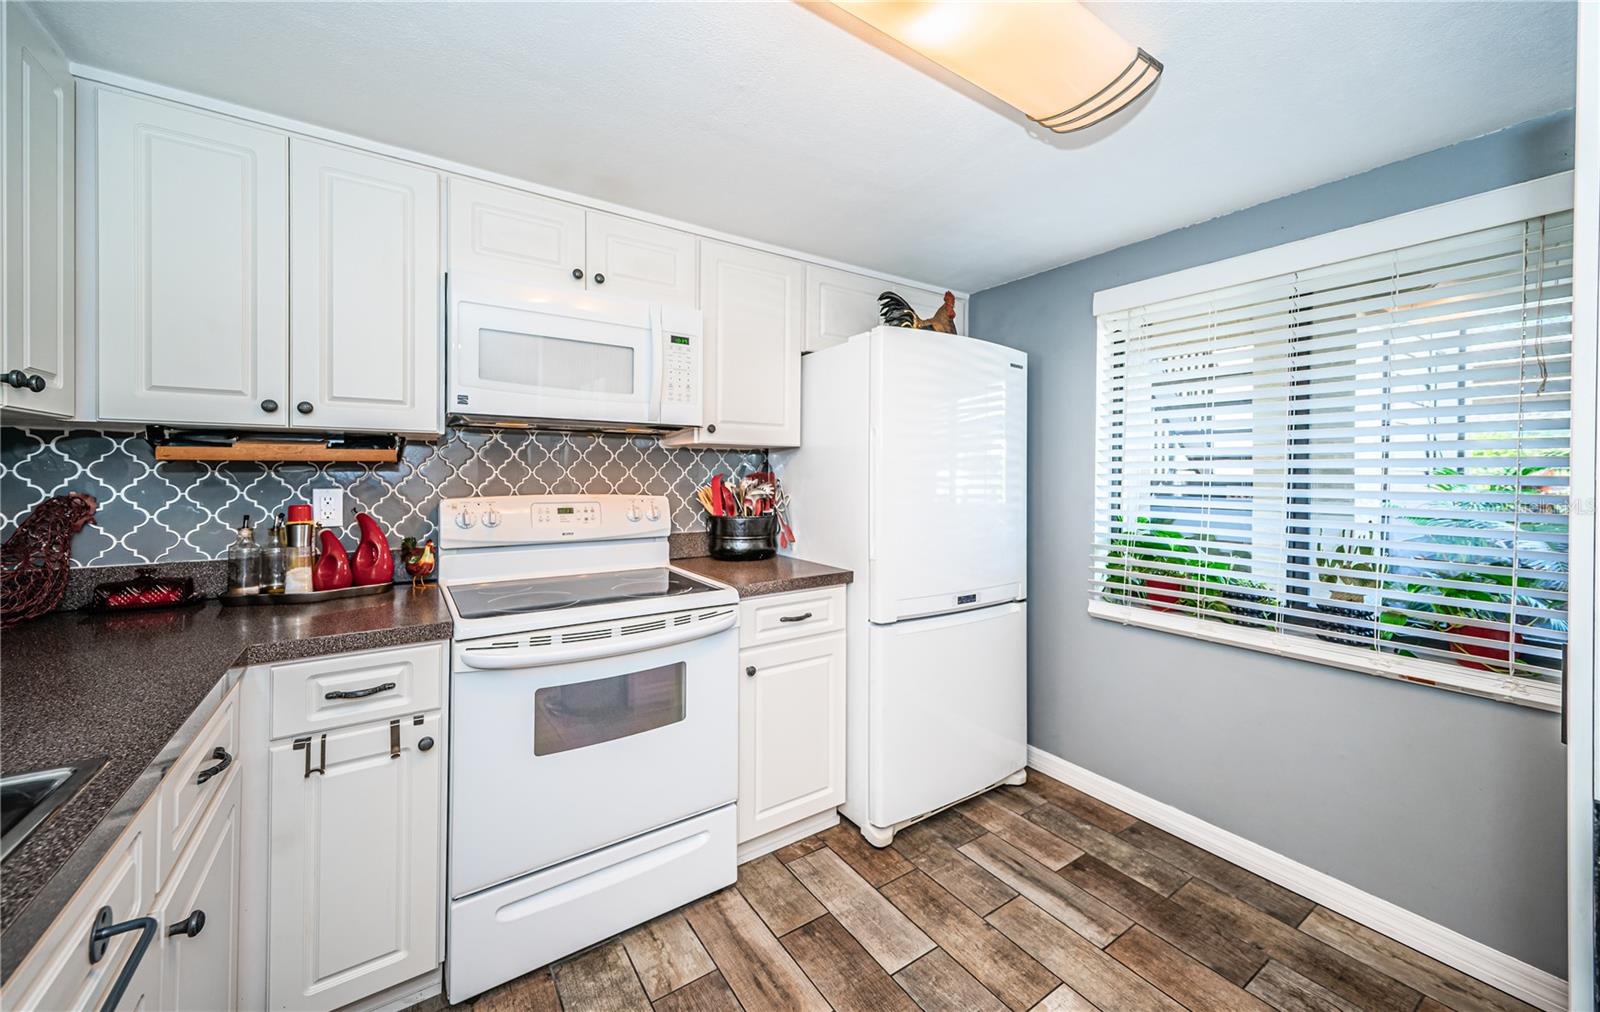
x,y
1055,62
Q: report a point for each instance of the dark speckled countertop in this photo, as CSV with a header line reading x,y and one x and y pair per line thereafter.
x,y
777,575
136,689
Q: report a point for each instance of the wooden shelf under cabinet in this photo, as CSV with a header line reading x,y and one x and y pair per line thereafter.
x,y
265,451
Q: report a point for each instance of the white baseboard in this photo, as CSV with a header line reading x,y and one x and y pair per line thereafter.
x,y
793,833
1511,975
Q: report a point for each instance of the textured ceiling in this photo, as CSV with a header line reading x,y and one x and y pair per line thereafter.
x,y
766,120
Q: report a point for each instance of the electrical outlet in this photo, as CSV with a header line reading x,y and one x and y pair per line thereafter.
x,y
327,505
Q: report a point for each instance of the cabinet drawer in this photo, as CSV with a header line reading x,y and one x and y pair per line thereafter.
x,y
352,688
194,783
58,974
781,617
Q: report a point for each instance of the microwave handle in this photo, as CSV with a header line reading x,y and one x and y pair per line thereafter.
x,y
658,363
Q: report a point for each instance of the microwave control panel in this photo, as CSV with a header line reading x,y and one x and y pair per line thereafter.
x,y
682,369
682,365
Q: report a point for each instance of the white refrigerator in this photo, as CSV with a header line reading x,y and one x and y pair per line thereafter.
x,y
912,472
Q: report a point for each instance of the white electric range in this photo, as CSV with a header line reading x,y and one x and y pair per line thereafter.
x,y
594,728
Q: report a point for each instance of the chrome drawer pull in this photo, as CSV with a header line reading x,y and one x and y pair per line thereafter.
x,y
371,690
795,618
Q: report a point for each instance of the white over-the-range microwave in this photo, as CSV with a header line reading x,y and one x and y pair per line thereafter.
x,y
529,356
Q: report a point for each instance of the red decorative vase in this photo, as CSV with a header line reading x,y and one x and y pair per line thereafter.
x,y
333,565
374,561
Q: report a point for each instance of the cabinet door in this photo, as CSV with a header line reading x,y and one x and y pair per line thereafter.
x,y
791,732
754,306
356,880
57,973
365,338
200,972
193,257
515,236
641,261
839,305
40,339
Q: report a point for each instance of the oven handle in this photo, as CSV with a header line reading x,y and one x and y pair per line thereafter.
x,y
485,660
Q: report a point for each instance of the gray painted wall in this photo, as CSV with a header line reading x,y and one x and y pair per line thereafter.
x,y
1447,805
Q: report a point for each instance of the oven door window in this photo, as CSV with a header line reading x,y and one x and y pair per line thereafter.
x,y
580,714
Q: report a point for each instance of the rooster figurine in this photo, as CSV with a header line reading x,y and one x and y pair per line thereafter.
x,y
35,558
897,312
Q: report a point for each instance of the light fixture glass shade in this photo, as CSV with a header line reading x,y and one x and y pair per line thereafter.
x,y
1055,62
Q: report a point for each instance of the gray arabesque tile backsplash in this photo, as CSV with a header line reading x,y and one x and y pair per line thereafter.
x,y
171,511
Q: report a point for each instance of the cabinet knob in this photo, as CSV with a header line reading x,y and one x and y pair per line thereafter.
x,y
20,380
269,405
189,926
577,273
750,672
304,407
711,428
425,744
599,279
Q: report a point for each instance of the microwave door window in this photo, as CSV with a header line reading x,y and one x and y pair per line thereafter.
x,y
580,714
555,364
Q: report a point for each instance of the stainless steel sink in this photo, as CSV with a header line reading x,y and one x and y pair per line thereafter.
x,y
27,798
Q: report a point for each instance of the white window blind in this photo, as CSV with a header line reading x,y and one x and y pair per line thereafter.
x,y
1365,463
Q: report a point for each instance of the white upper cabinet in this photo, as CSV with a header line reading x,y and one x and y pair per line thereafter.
x,y
545,243
517,236
840,305
193,266
754,306
365,344
39,348
641,261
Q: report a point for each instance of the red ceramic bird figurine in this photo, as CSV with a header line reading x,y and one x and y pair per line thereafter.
x,y
333,565
374,562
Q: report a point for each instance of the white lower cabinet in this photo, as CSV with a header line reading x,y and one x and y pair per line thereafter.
x,y
192,958
791,711
355,863
199,915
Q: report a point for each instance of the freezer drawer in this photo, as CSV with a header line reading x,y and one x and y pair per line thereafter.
x,y
504,932
947,709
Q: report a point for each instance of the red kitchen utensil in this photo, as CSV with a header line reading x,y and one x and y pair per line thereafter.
x,y
716,495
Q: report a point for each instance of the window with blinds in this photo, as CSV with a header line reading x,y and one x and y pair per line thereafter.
x,y
1365,463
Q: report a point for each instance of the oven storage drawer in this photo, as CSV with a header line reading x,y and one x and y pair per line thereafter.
x,y
348,689
780,617
501,933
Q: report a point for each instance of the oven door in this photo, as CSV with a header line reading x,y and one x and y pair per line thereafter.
x,y
552,761
519,352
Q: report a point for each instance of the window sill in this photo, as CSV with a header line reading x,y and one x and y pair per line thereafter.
x,y
1503,688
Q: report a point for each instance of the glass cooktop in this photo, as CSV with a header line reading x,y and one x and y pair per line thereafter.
x,y
551,593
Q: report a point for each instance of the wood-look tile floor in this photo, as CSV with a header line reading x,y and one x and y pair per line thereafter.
x,y
1033,897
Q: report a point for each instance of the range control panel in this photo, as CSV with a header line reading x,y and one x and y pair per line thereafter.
x,y
542,519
